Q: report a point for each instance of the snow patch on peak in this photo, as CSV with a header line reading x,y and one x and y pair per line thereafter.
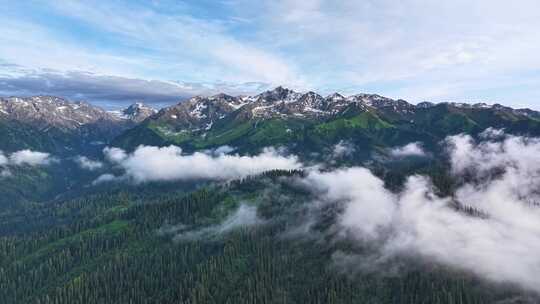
x,y
335,97
197,111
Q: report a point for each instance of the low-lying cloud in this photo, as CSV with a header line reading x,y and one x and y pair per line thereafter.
x,y
106,178
88,164
499,241
26,157
3,159
243,217
23,157
343,149
412,149
114,155
149,163
492,133
513,154
29,157
226,149
4,172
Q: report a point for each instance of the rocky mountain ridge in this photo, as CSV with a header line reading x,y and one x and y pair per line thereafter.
x,y
201,112
47,111
58,125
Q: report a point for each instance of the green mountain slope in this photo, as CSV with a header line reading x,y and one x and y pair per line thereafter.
x,y
371,128
112,249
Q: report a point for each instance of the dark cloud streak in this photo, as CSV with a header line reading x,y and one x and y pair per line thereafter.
x,y
111,91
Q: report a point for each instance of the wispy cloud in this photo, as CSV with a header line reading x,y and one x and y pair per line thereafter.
x,y
148,163
490,226
3,159
23,158
244,216
32,158
173,49
411,149
343,149
88,164
408,49
412,49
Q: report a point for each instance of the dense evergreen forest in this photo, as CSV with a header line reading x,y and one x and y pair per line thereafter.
x,y
166,243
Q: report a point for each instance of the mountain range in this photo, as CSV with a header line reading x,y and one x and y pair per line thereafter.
x,y
275,117
280,197
54,124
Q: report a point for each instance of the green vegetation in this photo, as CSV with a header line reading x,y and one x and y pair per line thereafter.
x,y
371,130
121,247
62,241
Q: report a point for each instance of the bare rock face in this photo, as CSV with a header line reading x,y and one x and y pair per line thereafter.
x,y
47,111
63,125
136,112
200,113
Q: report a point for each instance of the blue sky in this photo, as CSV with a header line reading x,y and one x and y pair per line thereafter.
x,y
117,52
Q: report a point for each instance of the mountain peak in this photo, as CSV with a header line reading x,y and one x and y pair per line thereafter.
x,y
425,105
279,94
335,96
137,106
137,112
44,111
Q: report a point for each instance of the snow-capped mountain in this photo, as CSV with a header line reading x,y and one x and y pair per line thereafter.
x,y
497,108
72,126
136,112
47,111
384,103
201,113
57,125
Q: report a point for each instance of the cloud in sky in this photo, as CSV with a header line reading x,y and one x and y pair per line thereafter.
x,y
88,86
106,90
408,49
148,163
502,245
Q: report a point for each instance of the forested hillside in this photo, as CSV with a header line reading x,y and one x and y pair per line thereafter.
x,y
150,247
281,197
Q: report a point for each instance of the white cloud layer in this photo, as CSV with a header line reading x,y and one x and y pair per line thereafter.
x,y
226,149
492,133
342,149
29,157
3,159
149,163
412,149
501,243
114,155
88,164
